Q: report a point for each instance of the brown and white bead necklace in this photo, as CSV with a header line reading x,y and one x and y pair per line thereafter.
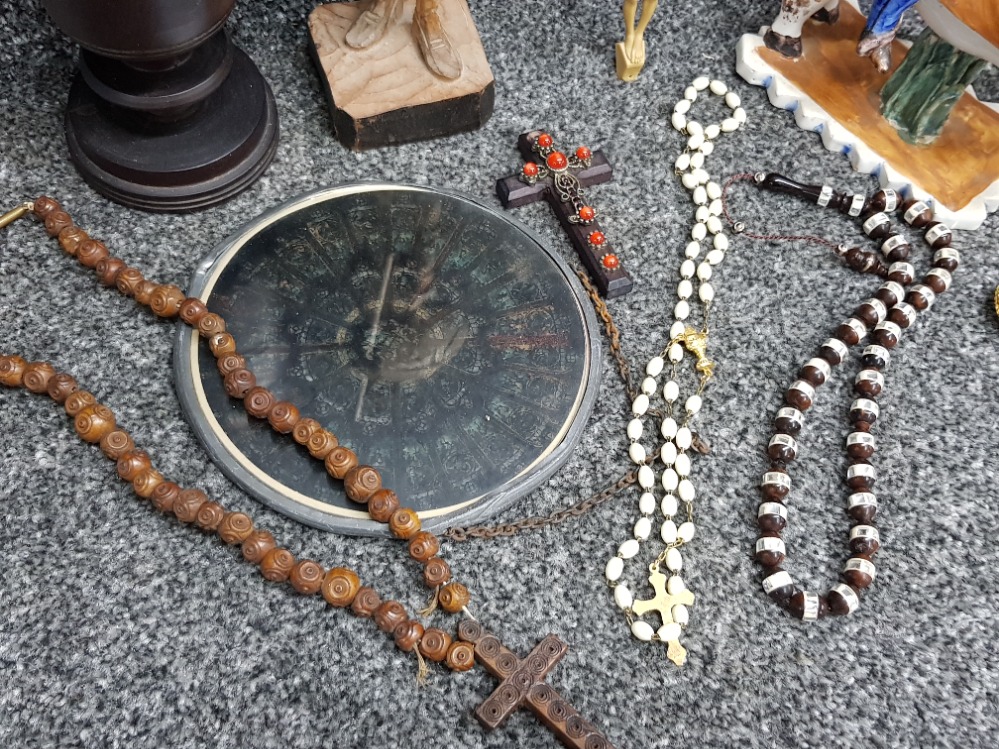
x,y
522,679
884,317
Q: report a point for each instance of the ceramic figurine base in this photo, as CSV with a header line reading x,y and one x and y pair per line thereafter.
x,y
834,92
385,94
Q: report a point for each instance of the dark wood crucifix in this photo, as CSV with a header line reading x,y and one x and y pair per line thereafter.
x,y
522,685
548,173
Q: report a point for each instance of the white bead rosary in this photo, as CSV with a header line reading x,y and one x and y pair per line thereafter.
x,y
672,597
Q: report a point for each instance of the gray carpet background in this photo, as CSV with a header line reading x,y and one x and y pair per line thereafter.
x,y
120,627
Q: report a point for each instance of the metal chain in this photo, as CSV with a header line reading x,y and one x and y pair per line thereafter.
x,y
613,334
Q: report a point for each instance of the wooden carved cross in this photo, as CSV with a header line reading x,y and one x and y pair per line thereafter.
x,y
522,685
663,603
560,179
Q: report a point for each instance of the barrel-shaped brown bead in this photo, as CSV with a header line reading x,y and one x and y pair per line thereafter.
x,y
12,370
166,300
321,443
230,363
258,402
283,417
858,578
382,505
61,386
460,656
339,461
91,252
128,281
307,577
78,401
70,239
210,324
145,483
404,523
165,495
838,604
436,572
921,218
116,443
366,602
340,586
239,382
304,429
235,528
210,516
93,422
408,635
192,310
108,269
277,565
44,205
434,644
389,615
453,597
770,557
424,546
56,221
36,376
222,344
132,463
188,504
360,482
257,544
144,291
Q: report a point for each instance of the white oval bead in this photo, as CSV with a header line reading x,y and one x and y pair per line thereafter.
x,y
739,114
688,268
700,195
716,208
693,404
686,531
674,560
708,148
686,491
643,527
711,132
681,464
676,329
701,174
671,391
714,257
614,568
684,289
668,453
681,312
704,271
695,128
701,82
682,106
642,630
655,366
669,506
697,160
675,353
646,477
671,480
718,88
668,427
698,231
689,180
681,615
668,532
684,438
706,292
683,161
720,242
623,597
692,250
714,223
640,405
729,125
649,385
635,429
669,632
695,141
675,585
679,122
702,213
637,453
732,99
690,93
628,549
714,190
647,503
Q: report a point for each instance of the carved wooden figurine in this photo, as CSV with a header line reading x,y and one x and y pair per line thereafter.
x,y
630,54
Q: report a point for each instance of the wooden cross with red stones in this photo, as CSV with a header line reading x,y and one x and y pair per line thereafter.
x,y
522,685
548,173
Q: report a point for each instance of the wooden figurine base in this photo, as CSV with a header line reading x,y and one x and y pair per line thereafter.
x,y
834,92
385,94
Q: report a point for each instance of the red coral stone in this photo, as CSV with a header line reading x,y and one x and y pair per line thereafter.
x,y
583,153
586,213
557,161
545,140
610,261
597,238
531,169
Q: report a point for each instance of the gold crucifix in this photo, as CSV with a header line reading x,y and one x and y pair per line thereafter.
x,y
663,603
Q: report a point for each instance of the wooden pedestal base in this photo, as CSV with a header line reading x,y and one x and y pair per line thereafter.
x,y
386,94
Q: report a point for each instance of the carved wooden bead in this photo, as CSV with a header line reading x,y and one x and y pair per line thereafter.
x,y
70,239
434,644
277,565
128,280
321,443
56,221
61,386
864,539
210,324
239,382
222,344
424,546
842,599
436,572
235,527
770,550
404,523
340,586
283,417
460,656
408,635
93,422
340,461
116,443
166,300
917,213
382,505
257,545
390,615
366,602
859,572
91,252
108,269
210,516
258,402
12,370
78,401
771,517
188,504
165,495
453,597
36,376
360,482
144,291
145,483
192,310
132,463
45,205
230,363
307,577
304,429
